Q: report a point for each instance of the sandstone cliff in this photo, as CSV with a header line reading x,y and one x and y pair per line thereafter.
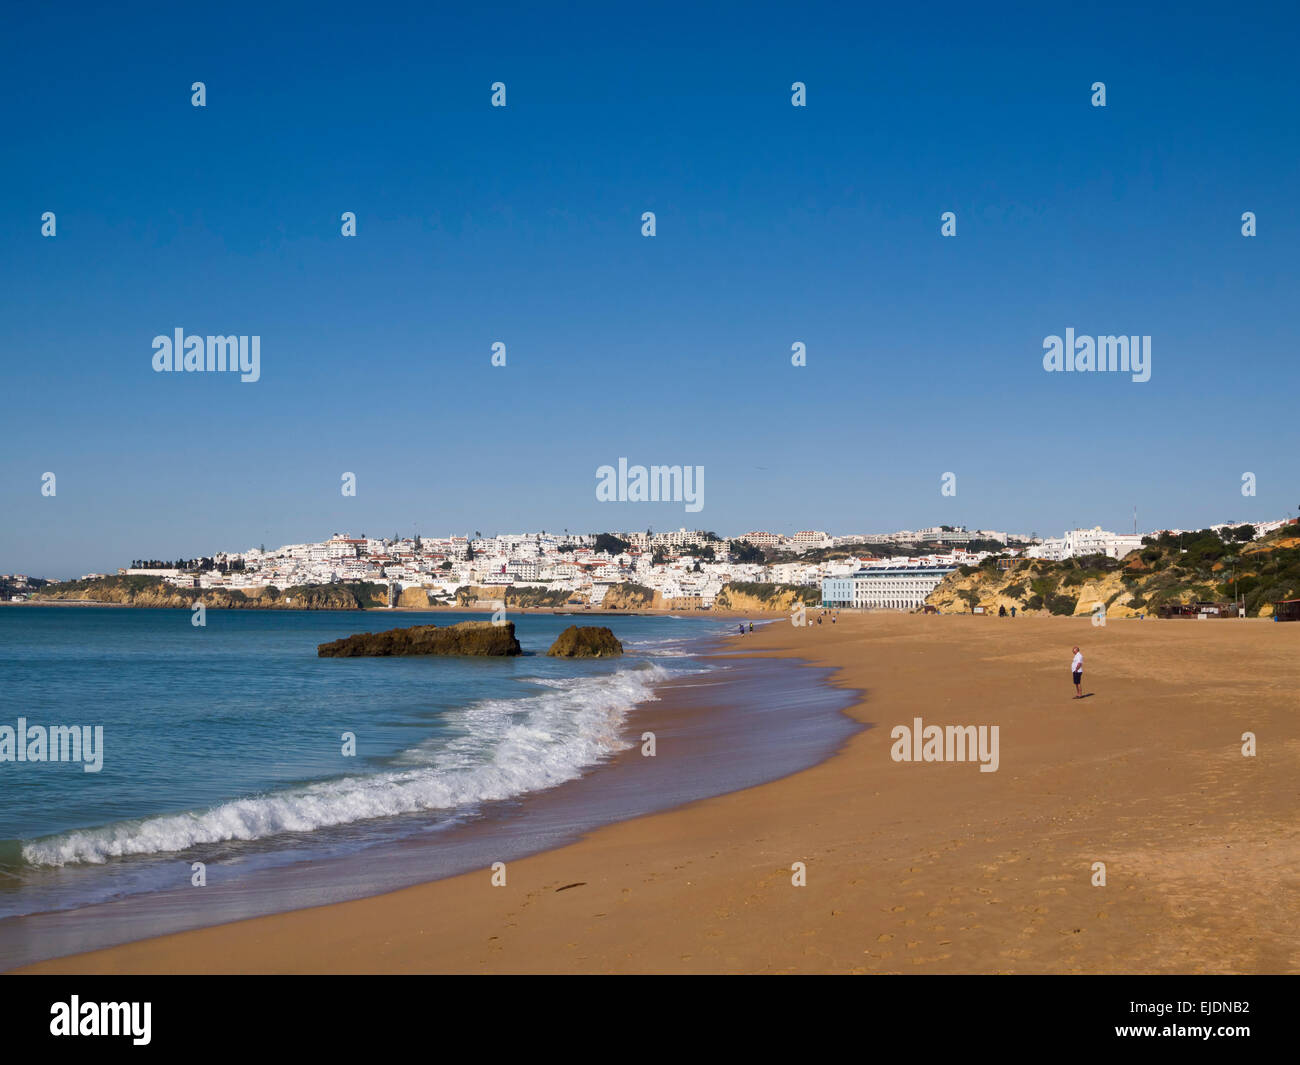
x,y
766,598
150,592
1169,570
1036,589
631,597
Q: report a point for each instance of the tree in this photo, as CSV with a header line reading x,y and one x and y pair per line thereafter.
x,y
611,544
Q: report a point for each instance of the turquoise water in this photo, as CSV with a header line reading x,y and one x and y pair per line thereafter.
x,y
224,743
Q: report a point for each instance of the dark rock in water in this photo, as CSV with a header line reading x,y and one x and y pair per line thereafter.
x,y
587,641
466,638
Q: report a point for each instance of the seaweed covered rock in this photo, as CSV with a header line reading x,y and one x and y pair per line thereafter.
x,y
586,641
466,638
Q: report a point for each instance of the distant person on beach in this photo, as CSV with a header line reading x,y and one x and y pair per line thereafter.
x,y
1002,611
1013,611
751,626
742,629
1076,668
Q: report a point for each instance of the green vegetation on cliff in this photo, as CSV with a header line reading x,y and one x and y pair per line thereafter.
x,y
629,596
144,591
524,597
748,595
1171,569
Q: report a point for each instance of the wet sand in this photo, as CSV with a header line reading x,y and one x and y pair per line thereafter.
x,y
911,867
738,723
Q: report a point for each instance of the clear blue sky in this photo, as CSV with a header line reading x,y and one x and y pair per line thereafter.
x,y
522,225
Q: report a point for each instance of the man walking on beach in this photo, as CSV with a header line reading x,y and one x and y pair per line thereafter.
x,y
1076,667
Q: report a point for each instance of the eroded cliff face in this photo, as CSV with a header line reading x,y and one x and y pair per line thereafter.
x,y
525,597
764,599
135,592
413,599
631,597
1037,590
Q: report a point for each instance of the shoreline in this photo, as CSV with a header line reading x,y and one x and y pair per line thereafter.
x,y
927,868
646,612
690,722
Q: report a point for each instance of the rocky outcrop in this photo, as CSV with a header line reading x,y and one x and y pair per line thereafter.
x,y
586,641
466,638
413,599
745,598
1035,588
519,597
630,596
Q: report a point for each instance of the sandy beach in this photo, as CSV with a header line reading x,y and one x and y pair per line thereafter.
x,y
930,867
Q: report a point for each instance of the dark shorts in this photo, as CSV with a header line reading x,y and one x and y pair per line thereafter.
x,y
1078,677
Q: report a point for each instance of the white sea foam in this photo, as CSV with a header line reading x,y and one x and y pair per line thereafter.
x,y
505,748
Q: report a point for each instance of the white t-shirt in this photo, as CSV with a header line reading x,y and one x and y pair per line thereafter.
x,y
1077,664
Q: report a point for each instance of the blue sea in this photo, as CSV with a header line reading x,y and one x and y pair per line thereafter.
x,y
225,745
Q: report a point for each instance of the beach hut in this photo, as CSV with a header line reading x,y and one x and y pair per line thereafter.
x,y
1286,610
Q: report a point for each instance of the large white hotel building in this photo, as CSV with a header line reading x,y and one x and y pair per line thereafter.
x,y
902,587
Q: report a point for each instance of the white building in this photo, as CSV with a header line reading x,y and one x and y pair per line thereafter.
x,y
810,539
763,539
937,533
898,587
1078,542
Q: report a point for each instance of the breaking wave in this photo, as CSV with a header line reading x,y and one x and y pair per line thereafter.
x,y
500,748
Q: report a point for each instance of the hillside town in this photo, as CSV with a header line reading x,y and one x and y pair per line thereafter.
x,y
686,567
